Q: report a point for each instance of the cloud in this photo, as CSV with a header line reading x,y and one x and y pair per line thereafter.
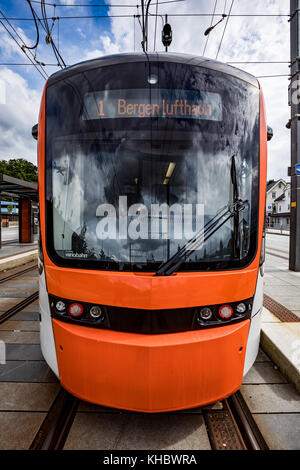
x,y
17,116
250,38
247,38
68,2
108,47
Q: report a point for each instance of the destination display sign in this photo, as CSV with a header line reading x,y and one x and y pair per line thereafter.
x,y
144,103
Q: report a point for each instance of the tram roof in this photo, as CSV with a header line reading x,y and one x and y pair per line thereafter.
x,y
154,57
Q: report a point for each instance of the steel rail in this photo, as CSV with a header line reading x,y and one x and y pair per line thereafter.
x,y
55,428
17,274
233,427
248,428
18,307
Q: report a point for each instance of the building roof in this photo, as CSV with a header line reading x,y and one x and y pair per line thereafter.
x,y
18,188
280,214
271,185
280,198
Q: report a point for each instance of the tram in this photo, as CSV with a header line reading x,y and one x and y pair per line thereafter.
x,y
152,183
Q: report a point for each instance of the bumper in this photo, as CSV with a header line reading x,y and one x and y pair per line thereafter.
x,y
151,373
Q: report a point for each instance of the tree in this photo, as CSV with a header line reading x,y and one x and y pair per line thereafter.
x,y
19,168
270,182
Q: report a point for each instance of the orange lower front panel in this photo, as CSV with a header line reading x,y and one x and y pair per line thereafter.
x,y
151,373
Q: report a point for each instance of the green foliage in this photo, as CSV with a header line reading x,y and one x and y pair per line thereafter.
x,y
270,181
19,168
10,208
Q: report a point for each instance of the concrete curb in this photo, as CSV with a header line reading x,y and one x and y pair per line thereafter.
x,y
18,259
278,233
281,342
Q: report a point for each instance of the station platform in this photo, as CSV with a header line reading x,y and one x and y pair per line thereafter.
x,y
280,335
16,254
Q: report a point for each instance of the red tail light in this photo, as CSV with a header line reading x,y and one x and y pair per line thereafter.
x,y
225,312
76,310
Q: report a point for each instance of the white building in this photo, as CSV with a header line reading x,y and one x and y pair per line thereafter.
x,y
279,216
274,191
283,202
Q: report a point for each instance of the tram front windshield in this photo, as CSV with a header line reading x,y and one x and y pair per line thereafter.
x,y
139,159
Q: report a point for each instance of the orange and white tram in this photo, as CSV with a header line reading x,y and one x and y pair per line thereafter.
x,y
152,182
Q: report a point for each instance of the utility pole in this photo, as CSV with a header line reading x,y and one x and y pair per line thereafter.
x,y
294,263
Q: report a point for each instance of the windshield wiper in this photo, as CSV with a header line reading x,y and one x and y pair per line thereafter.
x,y
236,216
212,226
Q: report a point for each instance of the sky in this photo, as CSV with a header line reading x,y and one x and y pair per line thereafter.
x,y
254,38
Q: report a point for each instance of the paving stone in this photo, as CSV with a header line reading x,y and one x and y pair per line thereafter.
x,y
23,352
288,276
263,372
262,357
18,430
95,431
34,307
13,325
137,431
16,293
17,282
281,431
27,396
286,292
22,337
31,274
268,317
26,371
274,398
9,302
270,280
26,316
165,432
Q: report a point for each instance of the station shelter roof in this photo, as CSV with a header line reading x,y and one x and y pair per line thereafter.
x,y
14,187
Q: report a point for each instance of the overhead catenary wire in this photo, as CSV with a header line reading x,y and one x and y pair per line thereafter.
x,y
36,26
212,19
155,27
173,15
33,60
49,38
224,30
107,5
54,18
41,71
146,22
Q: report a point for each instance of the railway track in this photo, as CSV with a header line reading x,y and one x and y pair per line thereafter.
x,y
55,428
13,274
231,428
18,307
